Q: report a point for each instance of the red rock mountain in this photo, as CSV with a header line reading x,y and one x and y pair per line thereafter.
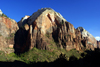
x,y
87,36
8,27
46,29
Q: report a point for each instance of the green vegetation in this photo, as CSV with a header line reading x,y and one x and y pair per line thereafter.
x,y
11,36
62,22
47,35
37,55
0,35
3,15
8,37
7,57
55,58
52,42
67,35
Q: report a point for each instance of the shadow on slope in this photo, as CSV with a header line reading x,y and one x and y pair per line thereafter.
x,y
13,64
90,60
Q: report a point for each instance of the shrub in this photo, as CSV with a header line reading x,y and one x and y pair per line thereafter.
x,y
11,36
3,15
62,22
47,35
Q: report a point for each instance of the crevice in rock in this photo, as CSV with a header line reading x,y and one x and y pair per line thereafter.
x,y
49,17
83,42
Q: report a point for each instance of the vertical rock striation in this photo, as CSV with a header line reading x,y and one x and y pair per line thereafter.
x,y
47,22
8,28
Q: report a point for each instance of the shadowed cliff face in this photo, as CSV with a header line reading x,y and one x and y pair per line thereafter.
x,y
22,43
47,25
98,44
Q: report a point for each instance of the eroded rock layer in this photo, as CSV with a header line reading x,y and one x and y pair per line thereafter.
x,y
48,23
8,28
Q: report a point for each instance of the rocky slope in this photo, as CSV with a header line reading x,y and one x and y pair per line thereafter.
x,y
87,36
47,29
7,29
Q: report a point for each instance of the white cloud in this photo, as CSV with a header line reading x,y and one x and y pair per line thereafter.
x,y
97,38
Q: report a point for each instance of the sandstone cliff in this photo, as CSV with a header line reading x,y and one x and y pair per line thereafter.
x,y
47,29
87,36
7,29
7,25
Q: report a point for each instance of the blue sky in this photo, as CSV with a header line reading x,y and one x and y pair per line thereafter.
x,y
85,13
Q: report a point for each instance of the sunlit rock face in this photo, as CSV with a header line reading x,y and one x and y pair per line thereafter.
x,y
1,12
7,25
44,22
46,19
8,28
86,35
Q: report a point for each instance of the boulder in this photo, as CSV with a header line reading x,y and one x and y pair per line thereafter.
x,y
11,46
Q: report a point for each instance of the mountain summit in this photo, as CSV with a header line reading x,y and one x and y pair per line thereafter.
x,y
47,29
